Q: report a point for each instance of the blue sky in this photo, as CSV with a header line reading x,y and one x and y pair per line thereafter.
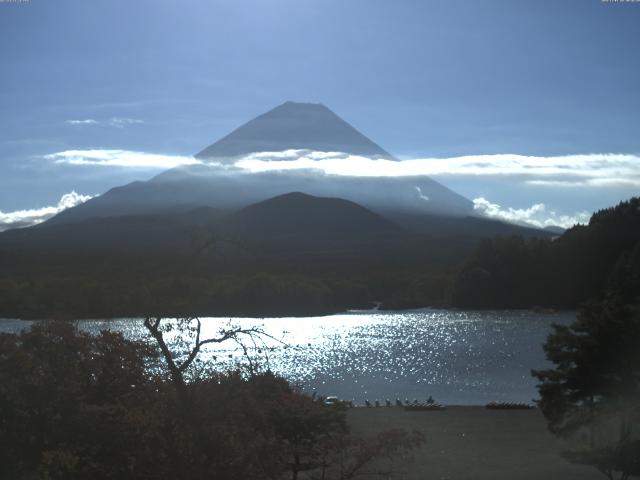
x,y
424,79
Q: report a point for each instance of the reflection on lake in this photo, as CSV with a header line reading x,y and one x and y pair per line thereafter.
x,y
456,357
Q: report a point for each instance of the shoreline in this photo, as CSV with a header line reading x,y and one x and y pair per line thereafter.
x,y
320,314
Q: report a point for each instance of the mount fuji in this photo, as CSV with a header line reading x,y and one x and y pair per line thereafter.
x,y
288,126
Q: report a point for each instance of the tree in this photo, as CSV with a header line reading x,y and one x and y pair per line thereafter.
x,y
189,338
595,384
76,406
308,430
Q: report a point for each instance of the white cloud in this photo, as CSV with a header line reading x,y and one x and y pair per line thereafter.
x,y
26,218
122,122
88,121
118,122
537,215
592,170
120,158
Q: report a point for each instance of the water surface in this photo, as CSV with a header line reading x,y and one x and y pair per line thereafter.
x,y
457,357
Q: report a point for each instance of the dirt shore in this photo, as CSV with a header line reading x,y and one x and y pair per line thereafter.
x,y
473,443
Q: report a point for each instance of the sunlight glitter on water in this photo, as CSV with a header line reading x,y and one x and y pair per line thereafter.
x,y
457,357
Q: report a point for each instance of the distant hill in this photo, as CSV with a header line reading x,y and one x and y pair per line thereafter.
x,y
294,125
298,215
297,223
555,229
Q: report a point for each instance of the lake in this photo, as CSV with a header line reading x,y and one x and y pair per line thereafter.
x,y
458,357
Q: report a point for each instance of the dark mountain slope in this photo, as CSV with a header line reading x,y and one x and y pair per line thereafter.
x,y
469,227
168,233
187,188
300,215
289,223
294,126
298,224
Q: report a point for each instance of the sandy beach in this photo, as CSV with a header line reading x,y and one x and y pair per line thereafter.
x,y
472,443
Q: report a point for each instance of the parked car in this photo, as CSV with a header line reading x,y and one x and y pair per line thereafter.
x,y
331,401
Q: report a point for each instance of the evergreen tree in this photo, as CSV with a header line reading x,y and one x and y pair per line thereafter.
x,y
595,384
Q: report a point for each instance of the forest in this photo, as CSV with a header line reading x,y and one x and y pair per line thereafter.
x,y
562,273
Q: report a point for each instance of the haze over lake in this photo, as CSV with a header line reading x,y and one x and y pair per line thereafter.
x,y
458,357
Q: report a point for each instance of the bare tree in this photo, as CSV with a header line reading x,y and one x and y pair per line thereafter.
x,y
178,364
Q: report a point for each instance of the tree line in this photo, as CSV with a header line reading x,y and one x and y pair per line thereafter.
x,y
580,265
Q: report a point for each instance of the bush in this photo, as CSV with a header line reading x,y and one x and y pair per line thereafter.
x,y
76,406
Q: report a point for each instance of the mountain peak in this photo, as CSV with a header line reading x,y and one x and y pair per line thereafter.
x,y
301,105
298,126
